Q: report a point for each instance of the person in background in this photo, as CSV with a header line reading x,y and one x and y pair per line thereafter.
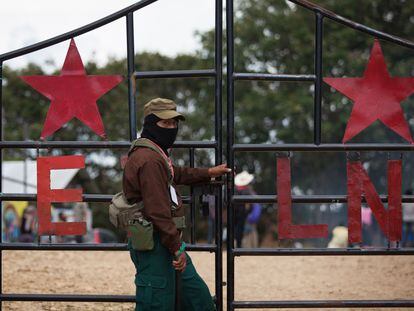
x,y
408,222
366,221
11,224
211,228
28,225
246,215
80,214
339,237
251,237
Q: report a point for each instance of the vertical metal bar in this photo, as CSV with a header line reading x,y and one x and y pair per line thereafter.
x,y
1,180
218,206
230,154
25,174
192,202
317,113
26,137
131,77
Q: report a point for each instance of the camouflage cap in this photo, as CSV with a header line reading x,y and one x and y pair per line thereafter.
x,y
163,108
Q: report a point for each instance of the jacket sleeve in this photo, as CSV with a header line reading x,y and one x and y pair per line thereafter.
x,y
188,175
255,213
153,182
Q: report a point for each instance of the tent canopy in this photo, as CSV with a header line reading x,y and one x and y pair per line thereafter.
x,y
15,173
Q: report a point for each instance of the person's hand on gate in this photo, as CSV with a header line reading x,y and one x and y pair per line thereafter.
x,y
218,170
180,261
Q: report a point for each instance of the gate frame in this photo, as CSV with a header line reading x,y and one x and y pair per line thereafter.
x,y
132,76
232,76
216,73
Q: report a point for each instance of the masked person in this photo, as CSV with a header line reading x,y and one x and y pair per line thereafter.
x,y
150,177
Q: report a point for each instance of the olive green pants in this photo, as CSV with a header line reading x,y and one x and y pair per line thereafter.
x,y
155,282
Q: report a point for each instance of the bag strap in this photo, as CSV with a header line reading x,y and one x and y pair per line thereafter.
x,y
146,143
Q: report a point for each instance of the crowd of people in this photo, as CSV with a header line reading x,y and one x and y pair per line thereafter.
x,y
19,228
20,225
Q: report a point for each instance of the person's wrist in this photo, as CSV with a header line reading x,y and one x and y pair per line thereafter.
x,y
180,250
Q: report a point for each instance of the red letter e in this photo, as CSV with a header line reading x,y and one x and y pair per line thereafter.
x,y
46,196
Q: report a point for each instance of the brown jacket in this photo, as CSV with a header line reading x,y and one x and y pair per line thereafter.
x,y
146,178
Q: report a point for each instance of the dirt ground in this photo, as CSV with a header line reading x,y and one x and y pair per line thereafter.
x,y
257,278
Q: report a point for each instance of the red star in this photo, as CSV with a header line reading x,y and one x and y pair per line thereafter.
x,y
377,96
73,94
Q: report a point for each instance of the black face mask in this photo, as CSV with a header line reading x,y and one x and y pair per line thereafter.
x,y
163,137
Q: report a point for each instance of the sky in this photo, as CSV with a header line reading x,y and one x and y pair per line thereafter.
x,y
166,26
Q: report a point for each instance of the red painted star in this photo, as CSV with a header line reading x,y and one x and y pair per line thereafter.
x,y
73,94
377,96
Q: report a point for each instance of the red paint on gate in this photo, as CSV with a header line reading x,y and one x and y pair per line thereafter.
x,y
394,199
376,96
390,220
287,230
73,94
46,196
354,184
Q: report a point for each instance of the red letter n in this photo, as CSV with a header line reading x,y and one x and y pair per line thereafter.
x,y
287,230
390,220
46,196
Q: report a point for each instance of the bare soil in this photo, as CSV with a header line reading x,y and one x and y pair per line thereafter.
x,y
257,278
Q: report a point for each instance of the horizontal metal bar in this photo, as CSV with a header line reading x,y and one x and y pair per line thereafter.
x,y
273,77
67,298
322,147
85,197
307,198
89,247
357,26
237,304
95,144
76,32
33,197
323,251
175,74
65,144
324,304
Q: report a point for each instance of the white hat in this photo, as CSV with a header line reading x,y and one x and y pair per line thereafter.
x,y
243,179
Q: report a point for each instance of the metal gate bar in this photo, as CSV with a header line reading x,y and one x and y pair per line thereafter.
x,y
67,298
1,176
88,247
319,304
77,32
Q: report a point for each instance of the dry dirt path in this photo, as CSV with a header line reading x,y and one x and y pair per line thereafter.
x,y
257,278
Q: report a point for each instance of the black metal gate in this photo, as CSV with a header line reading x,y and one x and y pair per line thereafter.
x,y
216,74
132,75
315,77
